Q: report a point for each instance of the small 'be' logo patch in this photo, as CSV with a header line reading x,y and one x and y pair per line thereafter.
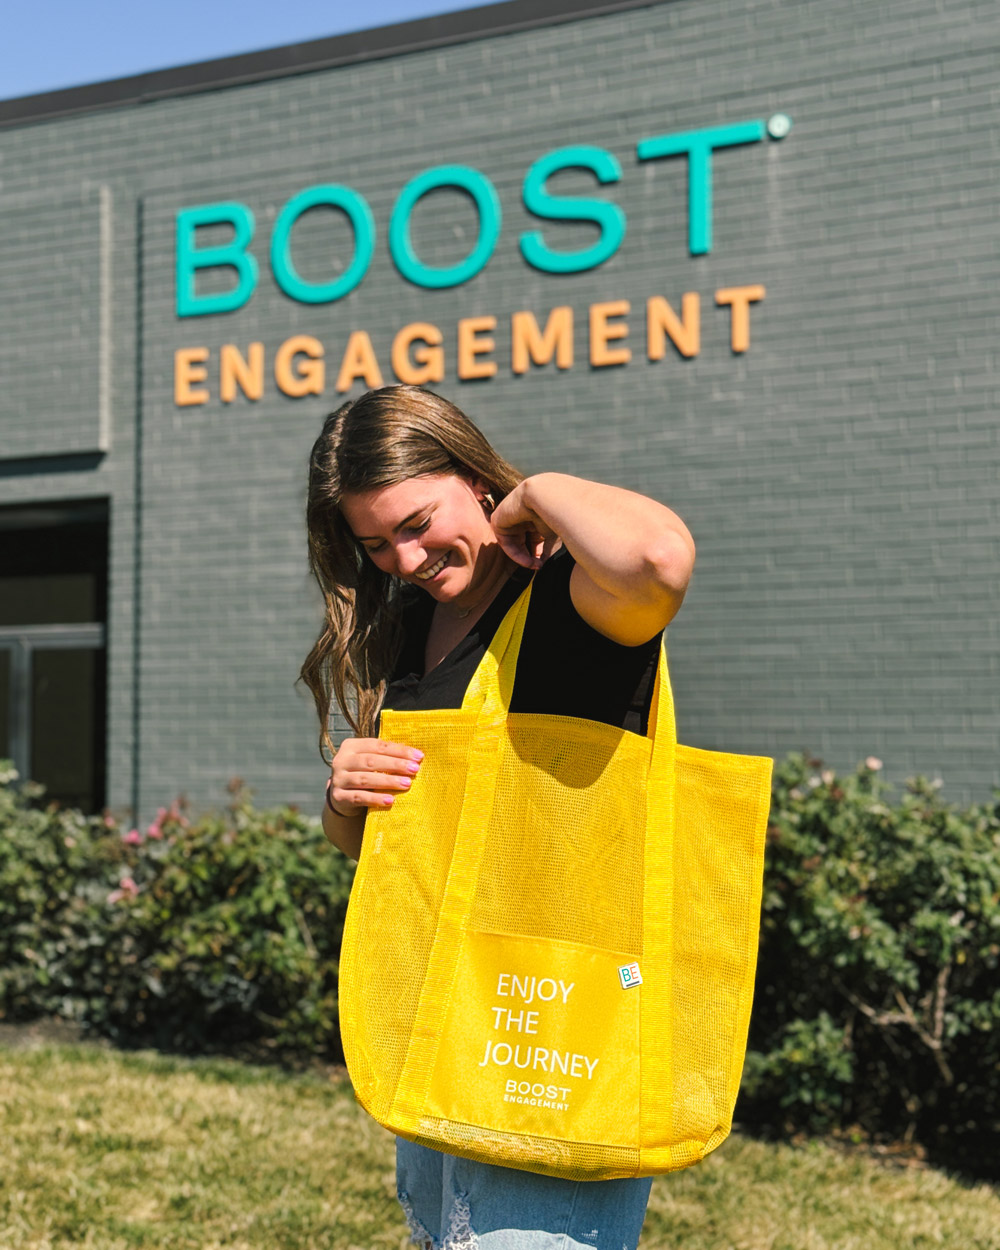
x,y
629,975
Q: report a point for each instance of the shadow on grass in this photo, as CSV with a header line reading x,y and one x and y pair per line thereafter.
x,y
969,1159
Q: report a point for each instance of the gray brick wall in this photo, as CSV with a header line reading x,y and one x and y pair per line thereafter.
x,y
55,332
839,476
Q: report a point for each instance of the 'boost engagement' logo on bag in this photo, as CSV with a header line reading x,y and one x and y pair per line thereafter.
x,y
629,975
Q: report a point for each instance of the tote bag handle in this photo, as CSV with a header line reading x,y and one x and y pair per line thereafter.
x,y
491,690
492,685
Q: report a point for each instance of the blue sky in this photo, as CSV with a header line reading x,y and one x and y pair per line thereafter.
x,y
49,44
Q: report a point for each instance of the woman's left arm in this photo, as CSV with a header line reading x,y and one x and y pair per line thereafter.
x,y
633,556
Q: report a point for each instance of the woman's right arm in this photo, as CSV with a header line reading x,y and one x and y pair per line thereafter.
x,y
365,772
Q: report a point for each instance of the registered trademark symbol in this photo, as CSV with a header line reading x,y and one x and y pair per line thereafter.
x,y
779,125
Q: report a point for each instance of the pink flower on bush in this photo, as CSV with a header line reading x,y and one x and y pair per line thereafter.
x,y
133,837
127,888
154,831
874,763
174,814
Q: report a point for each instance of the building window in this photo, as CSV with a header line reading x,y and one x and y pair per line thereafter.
x,y
53,622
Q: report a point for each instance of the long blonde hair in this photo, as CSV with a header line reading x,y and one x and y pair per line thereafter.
x,y
385,437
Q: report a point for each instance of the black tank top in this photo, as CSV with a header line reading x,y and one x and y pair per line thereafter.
x,y
564,668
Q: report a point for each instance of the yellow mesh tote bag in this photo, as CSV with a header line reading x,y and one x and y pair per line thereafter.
x,y
549,952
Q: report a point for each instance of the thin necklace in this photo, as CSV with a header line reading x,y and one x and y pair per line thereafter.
x,y
465,611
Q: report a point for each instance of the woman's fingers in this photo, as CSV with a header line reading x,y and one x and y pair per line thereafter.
x,y
525,546
380,781
386,759
367,772
377,755
374,762
358,799
516,549
522,534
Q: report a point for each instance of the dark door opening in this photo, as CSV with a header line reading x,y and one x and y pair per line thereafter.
x,y
53,624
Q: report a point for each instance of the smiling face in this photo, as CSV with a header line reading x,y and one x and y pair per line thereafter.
x,y
431,531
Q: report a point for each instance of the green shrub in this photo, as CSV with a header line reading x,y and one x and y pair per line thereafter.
x,y
878,994
189,936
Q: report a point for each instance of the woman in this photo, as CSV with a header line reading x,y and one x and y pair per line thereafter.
x,y
421,538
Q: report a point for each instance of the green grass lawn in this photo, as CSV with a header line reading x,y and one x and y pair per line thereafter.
x,y
112,1151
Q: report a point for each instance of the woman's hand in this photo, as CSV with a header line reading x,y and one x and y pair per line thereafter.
x,y
633,555
368,772
522,533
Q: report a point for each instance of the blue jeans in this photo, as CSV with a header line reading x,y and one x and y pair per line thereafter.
x,y
457,1204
